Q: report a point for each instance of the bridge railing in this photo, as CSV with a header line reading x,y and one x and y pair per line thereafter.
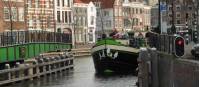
x,y
162,42
22,37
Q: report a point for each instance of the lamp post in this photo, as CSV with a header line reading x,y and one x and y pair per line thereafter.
x,y
74,24
173,28
85,34
159,17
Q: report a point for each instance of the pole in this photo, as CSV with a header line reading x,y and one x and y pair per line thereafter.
x,y
85,35
173,28
159,17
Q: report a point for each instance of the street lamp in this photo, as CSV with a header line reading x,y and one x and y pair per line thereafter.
x,y
74,24
85,34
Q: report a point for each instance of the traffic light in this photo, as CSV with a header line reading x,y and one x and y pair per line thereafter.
x,y
179,44
195,36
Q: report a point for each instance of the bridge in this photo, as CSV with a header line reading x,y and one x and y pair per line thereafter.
x,y
163,64
21,45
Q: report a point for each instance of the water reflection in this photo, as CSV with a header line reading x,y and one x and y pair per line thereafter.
x,y
83,75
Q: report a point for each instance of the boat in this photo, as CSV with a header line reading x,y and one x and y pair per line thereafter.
x,y
111,54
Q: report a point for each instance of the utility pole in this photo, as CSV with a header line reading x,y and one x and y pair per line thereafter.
x,y
173,28
159,18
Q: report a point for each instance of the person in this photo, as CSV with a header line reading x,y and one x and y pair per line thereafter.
x,y
114,34
140,35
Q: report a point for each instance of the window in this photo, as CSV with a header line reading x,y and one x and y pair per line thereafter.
x,y
68,3
36,3
178,15
92,20
66,17
63,3
21,14
120,12
178,7
14,14
81,21
84,24
63,16
58,2
29,3
38,24
190,7
91,9
108,23
6,14
178,22
170,7
136,11
58,16
140,11
106,13
30,23
47,4
170,14
70,17
116,12
127,23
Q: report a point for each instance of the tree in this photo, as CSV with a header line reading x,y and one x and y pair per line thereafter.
x,y
10,7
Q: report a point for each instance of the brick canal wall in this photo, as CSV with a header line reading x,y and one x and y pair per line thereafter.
x,y
168,71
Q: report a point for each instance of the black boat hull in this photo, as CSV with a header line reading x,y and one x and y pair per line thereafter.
x,y
125,61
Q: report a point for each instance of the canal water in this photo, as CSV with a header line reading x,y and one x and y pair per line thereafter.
x,y
83,75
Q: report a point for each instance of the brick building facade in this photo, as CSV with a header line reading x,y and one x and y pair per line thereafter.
x,y
131,15
40,15
12,15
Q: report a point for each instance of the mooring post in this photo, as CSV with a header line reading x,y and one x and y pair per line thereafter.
x,y
143,74
37,70
17,73
154,65
8,75
30,71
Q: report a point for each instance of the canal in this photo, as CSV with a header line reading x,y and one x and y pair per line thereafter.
x,y
83,75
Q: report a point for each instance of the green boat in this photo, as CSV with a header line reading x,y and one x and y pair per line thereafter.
x,y
114,55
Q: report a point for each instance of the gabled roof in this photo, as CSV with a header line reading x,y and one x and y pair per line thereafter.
x,y
105,3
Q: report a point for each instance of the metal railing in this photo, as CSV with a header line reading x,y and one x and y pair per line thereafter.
x,y
137,42
162,42
22,37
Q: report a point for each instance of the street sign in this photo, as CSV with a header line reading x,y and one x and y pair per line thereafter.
x,y
163,7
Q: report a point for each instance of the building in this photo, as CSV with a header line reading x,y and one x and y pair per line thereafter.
x,y
91,18
12,15
40,15
151,2
63,15
185,14
84,21
131,15
105,17
154,16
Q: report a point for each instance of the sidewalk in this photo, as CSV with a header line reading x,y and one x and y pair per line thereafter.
x,y
82,50
83,46
188,49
